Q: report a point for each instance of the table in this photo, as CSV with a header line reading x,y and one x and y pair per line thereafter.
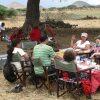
x,y
87,53
95,73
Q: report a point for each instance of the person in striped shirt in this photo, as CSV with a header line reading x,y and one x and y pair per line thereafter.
x,y
44,52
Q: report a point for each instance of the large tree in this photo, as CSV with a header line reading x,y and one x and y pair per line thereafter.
x,y
32,15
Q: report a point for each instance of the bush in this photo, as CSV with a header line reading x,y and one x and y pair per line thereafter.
x,y
5,12
11,12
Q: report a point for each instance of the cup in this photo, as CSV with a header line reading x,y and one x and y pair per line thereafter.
x,y
65,76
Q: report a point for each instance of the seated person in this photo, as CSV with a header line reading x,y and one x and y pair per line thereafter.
x,y
96,47
44,52
35,34
82,44
13,35
14,48
95,54
69,56
19,34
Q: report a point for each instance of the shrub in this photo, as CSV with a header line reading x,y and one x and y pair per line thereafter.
x,y
5,12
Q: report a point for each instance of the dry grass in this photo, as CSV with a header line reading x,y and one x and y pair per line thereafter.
x,y
19,21
81,23
84,23
31,93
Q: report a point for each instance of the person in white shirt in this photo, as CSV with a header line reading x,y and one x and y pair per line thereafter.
x,y
16,48
2,30
82,44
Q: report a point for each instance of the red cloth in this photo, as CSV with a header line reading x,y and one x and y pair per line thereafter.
x,y
19,35
12,36
65,75
49,29
86,84
35,34
95,81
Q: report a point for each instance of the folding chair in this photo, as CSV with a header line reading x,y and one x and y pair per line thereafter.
x,y
28,45
25,68
97,59
43,75
73,85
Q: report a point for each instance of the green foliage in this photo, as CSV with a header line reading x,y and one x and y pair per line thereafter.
x,y
5,12
11,12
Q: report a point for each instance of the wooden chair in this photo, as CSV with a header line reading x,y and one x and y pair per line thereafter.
x,y
43,75
26,68
72,85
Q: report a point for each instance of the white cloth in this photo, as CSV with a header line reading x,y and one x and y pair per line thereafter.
x,y
18,65
2,28
82,45
19,50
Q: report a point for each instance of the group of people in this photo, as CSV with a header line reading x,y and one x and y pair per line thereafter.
x,y
47,54
33,35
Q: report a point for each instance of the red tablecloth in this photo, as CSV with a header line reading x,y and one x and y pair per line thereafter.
x,y
95,77
95,81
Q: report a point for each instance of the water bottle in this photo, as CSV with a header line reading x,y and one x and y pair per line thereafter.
x,y
77,59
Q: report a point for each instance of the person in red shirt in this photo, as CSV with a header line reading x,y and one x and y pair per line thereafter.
x,y
19,34
13,35
49,30
35,34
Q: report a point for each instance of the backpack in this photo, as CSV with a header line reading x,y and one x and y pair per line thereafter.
x,y
8,72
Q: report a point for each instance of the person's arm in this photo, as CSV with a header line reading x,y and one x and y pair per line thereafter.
x,y
95,54
23,54
73,41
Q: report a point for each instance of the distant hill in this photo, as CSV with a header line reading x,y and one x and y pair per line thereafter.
x,y
16,5
81,4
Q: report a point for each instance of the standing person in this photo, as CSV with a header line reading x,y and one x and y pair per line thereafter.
x,y
2,30
82,44
35,34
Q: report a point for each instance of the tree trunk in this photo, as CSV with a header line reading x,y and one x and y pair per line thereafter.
x,y
32,16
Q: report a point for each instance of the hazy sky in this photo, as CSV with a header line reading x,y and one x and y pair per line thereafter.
x,y
52,3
